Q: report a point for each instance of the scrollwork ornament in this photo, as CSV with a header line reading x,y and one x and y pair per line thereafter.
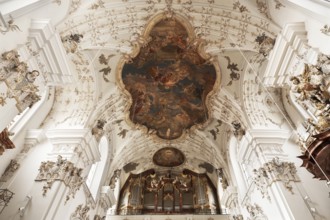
x,y
273,171
114,178
238,217
260,179
312,88
255,211
19,80
9,26
61,170
325,30
278,4
81,213
10,170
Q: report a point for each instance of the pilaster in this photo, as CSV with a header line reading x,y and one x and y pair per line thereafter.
x,y
62,175
107,198
272,180
290,52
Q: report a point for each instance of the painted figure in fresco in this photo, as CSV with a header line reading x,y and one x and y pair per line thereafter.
x,y
168,81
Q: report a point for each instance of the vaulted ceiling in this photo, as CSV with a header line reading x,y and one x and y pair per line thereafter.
x,y
235,37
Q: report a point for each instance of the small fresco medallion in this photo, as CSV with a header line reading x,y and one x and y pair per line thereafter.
x,y
168,157
169,82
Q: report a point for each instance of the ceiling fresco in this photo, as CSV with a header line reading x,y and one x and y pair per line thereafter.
x,y
169,82
168,157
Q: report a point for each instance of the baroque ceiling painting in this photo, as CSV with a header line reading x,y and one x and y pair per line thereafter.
x,y
169,81
168,157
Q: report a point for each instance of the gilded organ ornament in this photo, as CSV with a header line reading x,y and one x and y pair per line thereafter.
x,y
168,192
169,81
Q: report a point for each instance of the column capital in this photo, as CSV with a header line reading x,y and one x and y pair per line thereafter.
x,y
269,143
74,145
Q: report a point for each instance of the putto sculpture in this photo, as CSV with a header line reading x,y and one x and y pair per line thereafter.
x,y
19,80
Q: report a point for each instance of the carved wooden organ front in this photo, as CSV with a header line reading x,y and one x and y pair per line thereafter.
x,y
168,193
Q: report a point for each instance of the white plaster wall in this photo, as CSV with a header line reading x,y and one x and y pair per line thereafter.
x,y
316,190
31,120
22,182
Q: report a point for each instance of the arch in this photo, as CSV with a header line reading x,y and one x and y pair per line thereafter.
x,y
96,172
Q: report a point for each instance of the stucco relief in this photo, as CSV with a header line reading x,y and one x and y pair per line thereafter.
x,y
8,26
73,102
115,177
272,171
10,170
325,30
19,80
61,170
5,141
256,212
98,129
81,213
312,89
70,42
265,44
